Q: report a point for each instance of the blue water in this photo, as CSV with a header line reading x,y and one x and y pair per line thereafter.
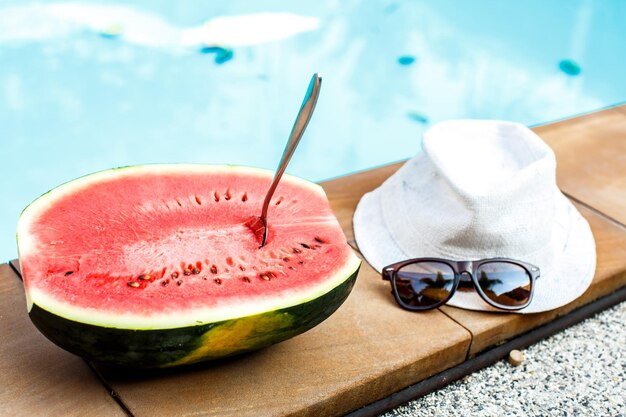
x,y
89,100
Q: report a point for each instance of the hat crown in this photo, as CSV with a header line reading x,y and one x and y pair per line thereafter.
x,y
487,161
491,192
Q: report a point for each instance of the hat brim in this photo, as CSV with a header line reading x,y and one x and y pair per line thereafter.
x,y
570,275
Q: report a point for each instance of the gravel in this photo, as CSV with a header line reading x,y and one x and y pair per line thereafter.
x,y
578,372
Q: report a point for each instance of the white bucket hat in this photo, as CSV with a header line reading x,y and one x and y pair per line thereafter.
x,y
481,189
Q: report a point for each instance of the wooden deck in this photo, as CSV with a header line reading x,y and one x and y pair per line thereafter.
x,y
366,351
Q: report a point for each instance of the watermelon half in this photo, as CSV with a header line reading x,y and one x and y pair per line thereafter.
x,y
157,265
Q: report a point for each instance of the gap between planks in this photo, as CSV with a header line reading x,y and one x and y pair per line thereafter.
x,y
15,266
596,211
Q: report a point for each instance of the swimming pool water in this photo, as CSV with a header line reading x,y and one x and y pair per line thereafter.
x,y
98,85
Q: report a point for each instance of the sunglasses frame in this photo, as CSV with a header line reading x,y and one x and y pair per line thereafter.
x,y
389,273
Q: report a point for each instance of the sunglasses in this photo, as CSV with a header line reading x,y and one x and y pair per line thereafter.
x,y
425,283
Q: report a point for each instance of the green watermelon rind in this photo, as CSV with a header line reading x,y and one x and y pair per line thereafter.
x,y
186,345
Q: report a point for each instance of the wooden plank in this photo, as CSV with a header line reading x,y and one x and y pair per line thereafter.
x,y
591,159
491,356
489,329
38,378
345,192
367,350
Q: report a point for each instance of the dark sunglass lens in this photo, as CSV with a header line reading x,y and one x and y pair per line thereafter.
x,y
424,284
505,283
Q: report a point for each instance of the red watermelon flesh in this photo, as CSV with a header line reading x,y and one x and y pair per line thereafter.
x,y
166,246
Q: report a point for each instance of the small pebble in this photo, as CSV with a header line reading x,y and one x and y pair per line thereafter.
x,y
516,358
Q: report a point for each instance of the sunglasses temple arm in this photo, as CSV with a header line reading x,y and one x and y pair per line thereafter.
x,y
386,273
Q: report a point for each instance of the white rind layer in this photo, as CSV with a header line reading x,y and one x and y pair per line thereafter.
x,y
27,246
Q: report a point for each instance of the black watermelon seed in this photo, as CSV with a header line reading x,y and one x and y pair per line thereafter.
x,y
187,272
164,283
174,275
292,268
305,246
243,268
286,259
213,269
218,281
245,279
179,283
319,240
69,273
196,271
301,262
296,250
